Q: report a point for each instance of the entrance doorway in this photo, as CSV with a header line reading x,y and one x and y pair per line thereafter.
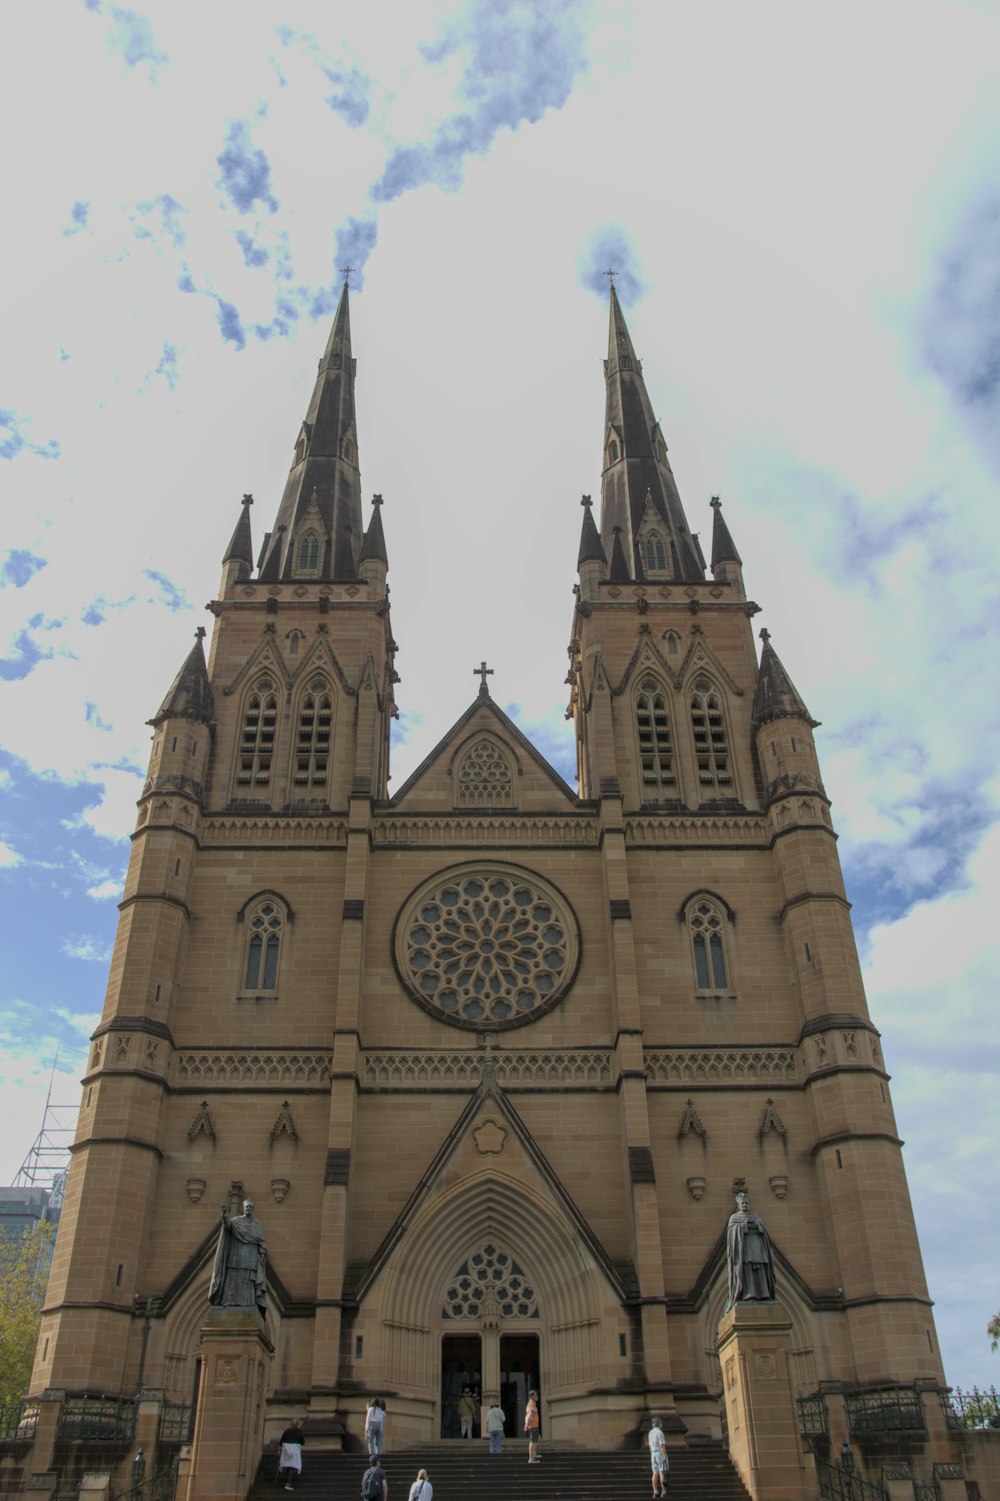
x,y
518,1376
461,1359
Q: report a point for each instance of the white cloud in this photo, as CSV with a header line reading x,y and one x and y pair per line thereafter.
x,y
86,948
9,857
105,890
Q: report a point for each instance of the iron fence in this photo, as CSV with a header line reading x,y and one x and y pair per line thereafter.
x,y
18,1420
109,1418
888,1410
836,1484
160,1486
926,1490
176,1423
812,1415
971,1409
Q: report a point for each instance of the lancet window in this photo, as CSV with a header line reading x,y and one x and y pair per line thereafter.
x,y
711,741
313,734
656,753
308,552
484,777
265,925
654,552
256,753
706,925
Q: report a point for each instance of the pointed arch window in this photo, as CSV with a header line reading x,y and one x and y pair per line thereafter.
x,y
654,553
265,929
313,736
707,929
613,451
656,752
484,778
308,552
256,753
711,739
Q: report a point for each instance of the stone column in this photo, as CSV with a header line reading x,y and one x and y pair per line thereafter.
x,y
229,1426
754,1344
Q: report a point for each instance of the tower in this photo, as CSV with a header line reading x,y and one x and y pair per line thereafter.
x,y
489,1054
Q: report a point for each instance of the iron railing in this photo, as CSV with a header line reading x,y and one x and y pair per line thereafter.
x,y
926,1490
836,1484
887,1410
176,1423
812,1415
18,1420
971,1409
97,1418
160,1486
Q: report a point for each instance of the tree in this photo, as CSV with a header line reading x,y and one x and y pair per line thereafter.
x,y
24,1272
993,1330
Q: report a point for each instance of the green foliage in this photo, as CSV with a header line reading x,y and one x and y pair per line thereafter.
x,y
993,1330
24,1271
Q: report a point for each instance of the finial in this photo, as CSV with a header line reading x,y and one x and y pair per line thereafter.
x,y
616,530
247,500
347,272
610,274
376,500
199,634
585,500
715,503
765,635
483,672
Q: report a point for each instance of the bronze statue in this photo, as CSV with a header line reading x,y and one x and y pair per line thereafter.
x,y
750,1257
238,1279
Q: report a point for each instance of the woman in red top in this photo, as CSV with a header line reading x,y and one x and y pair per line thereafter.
x,y
531,1428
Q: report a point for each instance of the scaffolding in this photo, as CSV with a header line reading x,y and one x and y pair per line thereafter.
x,y
47,1161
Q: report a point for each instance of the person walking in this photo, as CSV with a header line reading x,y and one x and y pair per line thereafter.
x,y
531,1428
374,1428
421,1489
467,1411
658,1460
495,1422
375,1483
290,1458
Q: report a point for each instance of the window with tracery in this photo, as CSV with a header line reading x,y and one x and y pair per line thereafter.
x,y
308,560
708,944
312,741
490,1274
484,777
656,754
711,742
260,720
263,947
654,553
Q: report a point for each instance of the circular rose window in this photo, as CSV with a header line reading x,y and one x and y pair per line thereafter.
x,y
487,947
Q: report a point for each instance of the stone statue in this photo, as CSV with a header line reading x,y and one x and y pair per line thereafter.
x,y
750,1257
238,1273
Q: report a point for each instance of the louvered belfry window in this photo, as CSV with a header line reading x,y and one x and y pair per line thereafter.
x,y
711,742
260,721
312,743
656,754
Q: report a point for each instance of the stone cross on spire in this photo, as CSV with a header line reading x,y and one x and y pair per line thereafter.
x,y
483,672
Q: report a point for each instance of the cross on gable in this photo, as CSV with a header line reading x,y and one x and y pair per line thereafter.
x,y
483,672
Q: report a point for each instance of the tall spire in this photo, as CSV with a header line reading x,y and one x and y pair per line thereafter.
x,y
240,549
777,696
190,694
324,479
638,491
723,546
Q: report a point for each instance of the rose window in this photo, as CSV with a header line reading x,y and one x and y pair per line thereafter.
x,y
487,948
490,1273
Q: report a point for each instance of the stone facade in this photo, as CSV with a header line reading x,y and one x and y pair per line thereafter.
x,y
489,1016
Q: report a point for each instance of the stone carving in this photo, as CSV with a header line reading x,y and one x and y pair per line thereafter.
x,y
238,1277
264,1066
696,1188
489,1138
771,1121
195,1189
95,1061
279,1189
464,829
122,1045
491,1276
723,828
767,1369
284,1125
749,1256
779,1185
202,1123
152,1049
484,777
850,1044
691,1121
402,1070
226,1370
724,1065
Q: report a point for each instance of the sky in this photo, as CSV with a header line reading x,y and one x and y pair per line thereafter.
x,y
803,208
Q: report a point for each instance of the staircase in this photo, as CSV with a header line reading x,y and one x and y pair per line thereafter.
x,y
461,1470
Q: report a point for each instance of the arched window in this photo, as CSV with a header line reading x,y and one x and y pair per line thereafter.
x,y
294,642
484,778
256,752
656,754
673,643
312,741
706,925
308,552
711,742
265,926
655,553
613,452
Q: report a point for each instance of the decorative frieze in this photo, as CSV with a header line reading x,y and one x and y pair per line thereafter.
x,y
387,1069
258,1067
266,828
712,829
494,830
721,1065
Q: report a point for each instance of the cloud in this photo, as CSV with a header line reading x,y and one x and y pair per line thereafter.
x,y
351,88
962,333
167,365
245,171
19,566
78,217
104,890
13,440
611,249
132,36
253,254
519,58
355,242
86,949
169,213
9,857
229,324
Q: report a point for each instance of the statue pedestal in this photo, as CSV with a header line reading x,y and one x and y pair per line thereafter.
x,y
754,1344
229,1424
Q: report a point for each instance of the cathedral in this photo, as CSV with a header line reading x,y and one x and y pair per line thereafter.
x,y
491,1055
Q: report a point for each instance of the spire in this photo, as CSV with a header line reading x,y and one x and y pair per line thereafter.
x,y
591,547
619,573
240,549
324,475
373,545
190,694
638,485
776,696
723,546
